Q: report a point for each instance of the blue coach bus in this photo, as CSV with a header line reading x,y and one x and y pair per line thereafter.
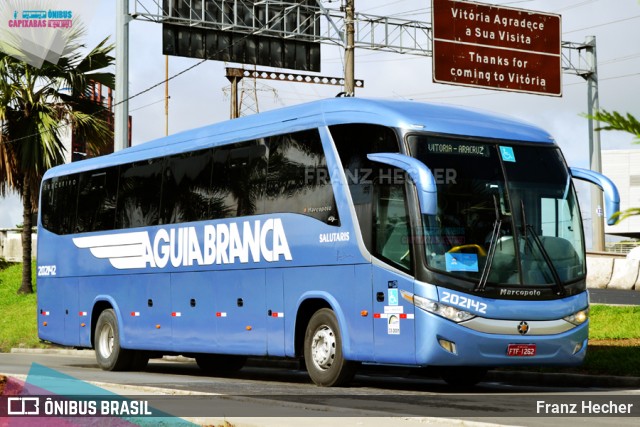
x,y
343,231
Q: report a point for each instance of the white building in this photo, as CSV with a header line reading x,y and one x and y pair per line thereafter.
x,y
623,168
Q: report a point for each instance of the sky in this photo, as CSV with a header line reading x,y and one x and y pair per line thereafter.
x,y
197,97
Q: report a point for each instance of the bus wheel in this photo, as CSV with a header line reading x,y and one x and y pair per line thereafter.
x,y
323,351
109,354
220,364
462,376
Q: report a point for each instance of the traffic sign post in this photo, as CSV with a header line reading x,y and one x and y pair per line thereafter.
x,y
502,48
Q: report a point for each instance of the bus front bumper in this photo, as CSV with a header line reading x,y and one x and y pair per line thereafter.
x,y
441,342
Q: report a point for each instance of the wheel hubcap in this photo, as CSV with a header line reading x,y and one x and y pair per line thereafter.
x,y
323,347
105,341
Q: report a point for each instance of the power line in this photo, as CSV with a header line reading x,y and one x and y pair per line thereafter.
x,y
620,77
147,105
619,59
384,5
573,6
103,109
602,25
411,12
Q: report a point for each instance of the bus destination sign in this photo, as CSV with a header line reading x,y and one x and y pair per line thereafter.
x,y
478,150
495,47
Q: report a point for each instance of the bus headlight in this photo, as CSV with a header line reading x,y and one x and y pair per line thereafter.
x,y
442,310
579,317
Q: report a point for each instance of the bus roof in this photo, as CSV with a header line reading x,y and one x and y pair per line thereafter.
x,y
433,118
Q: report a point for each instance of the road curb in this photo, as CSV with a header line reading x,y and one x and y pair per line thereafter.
x,y
61,351
552,379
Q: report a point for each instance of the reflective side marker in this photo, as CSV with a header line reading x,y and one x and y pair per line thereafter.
x,y
386,315
221,314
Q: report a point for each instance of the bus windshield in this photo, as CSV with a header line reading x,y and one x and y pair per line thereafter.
x,y
507,214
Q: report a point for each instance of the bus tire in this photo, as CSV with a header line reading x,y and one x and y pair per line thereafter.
x,y
462,376
220,364
109,355
323,356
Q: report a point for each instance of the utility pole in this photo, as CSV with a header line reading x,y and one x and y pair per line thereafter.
x,y
595,155
166,95
234,75
349,60
121,119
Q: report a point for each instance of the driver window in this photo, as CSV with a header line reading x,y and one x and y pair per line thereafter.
x,y
391,224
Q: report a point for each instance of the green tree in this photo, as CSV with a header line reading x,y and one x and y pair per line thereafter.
x,y
626,123
36,104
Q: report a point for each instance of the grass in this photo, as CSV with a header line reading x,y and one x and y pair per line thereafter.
x,y
614,342
18,323
614,322
614,334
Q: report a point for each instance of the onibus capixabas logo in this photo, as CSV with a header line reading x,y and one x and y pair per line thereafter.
x,y
35,31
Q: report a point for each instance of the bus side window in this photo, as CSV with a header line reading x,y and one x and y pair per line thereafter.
x,y
354,142
59,201
298,178
97,200
138,201
239,174
186,189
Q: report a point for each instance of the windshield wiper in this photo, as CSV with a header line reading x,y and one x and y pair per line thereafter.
x,y
493,244
547,260
528,230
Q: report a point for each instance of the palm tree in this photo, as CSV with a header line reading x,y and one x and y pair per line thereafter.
x,y
626,123
35,104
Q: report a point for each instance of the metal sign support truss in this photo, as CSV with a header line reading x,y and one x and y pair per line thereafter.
x,y
235,75
293,19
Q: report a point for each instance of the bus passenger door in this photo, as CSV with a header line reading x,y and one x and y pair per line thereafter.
x,y
394,325
393,318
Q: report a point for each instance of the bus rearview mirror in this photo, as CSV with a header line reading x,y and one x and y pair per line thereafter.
x,y
420,174
611,195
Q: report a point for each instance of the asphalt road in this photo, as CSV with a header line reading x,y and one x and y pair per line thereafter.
x,y
280,392
614,296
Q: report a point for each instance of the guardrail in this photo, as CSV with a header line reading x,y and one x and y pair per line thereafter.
x,y
607,270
